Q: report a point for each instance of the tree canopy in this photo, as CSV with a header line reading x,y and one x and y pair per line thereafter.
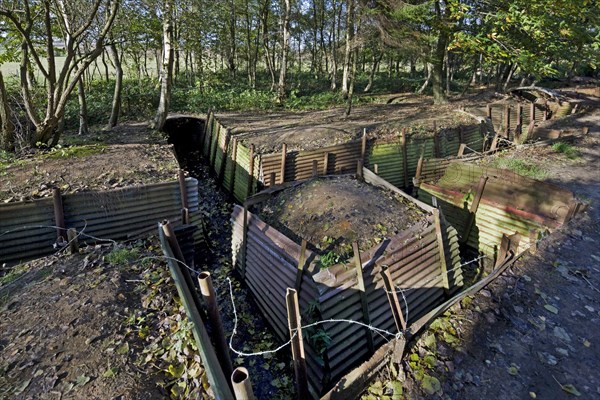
x,y
276,50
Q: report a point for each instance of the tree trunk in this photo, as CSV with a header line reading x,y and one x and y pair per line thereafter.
x,y
83,114
285,43
116,103
376,61
428,69
348,48
7,128
437,72
166,72
232,41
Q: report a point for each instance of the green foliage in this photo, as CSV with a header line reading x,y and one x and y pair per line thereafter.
x,y
520,167
567,149
123,256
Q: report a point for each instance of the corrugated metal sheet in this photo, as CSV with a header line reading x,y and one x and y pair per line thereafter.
x,y
26,230
510,203
412,257
115,214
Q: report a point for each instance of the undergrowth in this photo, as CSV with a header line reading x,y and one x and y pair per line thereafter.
x,y
567,149
521,167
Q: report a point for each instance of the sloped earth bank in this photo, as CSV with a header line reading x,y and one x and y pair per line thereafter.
x,y
106,323
535,331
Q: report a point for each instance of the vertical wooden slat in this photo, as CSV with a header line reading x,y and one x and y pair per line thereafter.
x,y
295,329
283,161
59,214
404,158
360,286
440,243
363,146
392,296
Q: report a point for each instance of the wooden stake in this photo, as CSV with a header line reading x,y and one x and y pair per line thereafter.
x,y
73,242
392,296
404,158
184,197
507,121
301,265
461,150
546,114
417,178
359,171
440,242
244,242
532,112
234,147
473,209
436,144
376,168
59,214
325,163
218,334
363,146
489,111
298,357
283,161
360,286
221,172
494,144
251,172
519,128
242,387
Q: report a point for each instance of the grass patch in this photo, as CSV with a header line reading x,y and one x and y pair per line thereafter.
x,y
123,256
520,167
567,149
59,151
15,272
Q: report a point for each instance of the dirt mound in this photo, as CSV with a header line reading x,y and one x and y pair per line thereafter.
x,y
331,213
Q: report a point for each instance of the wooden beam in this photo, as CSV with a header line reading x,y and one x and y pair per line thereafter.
x,y
360,286
390,290
298,358
440,242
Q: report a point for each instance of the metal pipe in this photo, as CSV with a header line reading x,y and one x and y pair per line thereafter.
x,y
242,387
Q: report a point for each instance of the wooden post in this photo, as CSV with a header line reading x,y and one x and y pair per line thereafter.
x,y
315,170
519,128
301,265
473,208
417,178
73,242
251,172
283,161
169,235
363,146
218,334
404,158
244,242
325,163
295,328
503,251
489,111
217,380
359,171
360,286
242,387
507,121
533,236
213,153
59,214
184,198
392,296
461,150
494,144
532,112
546,114
436,144
440,242
272,179
234,146
221,172
376,169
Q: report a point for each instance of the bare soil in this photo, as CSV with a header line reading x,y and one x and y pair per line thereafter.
x,y
331,213
130,155
313,129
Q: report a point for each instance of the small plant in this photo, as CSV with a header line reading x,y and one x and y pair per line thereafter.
x,y
567,149
123,256
59,151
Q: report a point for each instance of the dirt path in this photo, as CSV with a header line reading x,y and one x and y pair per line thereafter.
x,y
535,331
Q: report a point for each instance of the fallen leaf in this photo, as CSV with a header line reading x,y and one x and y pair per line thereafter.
x,y
551,308
571,389
587,343
82,380
430,384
